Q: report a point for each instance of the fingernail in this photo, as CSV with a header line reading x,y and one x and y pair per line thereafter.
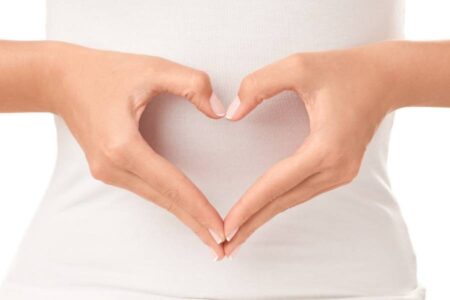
x,y
233,108
234,252
231,234
217,237
216,257
217,105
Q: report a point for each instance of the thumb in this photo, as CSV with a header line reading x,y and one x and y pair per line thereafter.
x,y
260,85
191,84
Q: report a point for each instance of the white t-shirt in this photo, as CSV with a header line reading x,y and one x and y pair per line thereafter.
x,y
90,240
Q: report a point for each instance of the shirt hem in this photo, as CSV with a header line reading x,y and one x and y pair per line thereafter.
x,y
22,292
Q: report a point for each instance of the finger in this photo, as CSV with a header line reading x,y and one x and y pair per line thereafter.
x,y
262,84
279,179
136,156
310,187
133,183
195,85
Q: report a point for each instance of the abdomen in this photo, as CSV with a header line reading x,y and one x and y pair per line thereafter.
x,y
348,242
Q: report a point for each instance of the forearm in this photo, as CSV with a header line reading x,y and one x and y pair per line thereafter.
x,y
419,73
27,74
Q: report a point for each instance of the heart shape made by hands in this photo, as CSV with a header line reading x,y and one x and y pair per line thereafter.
x,y
223,158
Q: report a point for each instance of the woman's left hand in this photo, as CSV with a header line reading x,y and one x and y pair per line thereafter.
x,y
346,94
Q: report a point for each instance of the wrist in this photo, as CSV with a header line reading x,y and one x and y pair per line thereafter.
x,y
51,68
396,69
385,58
417,72
390,61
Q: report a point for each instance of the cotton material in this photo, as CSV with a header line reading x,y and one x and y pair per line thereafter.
x,y
89,240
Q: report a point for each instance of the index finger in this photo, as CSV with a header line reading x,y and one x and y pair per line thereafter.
x,y
192,84
278,180
139,158
263,84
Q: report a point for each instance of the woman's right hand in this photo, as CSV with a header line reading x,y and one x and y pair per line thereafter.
x,y
101,96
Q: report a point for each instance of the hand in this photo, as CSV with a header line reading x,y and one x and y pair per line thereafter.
x,y
101,96
345,93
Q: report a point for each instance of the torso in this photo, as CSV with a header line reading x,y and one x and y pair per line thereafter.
x,y
93,239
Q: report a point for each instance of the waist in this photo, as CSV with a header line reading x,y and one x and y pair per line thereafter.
x,y
23,292
350,241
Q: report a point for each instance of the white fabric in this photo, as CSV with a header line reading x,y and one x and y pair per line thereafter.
x,y
93,241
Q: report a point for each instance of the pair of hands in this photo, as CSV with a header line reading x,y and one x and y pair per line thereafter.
x,y
346,94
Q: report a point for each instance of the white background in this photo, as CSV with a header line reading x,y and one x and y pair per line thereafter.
x,y
419,160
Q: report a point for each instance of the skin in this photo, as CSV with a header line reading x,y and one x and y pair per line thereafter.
x,y
102,94
347,93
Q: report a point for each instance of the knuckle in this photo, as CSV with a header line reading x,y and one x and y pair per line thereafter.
x,y
342,166
352,171
100,170
323,157
173,195
190,95
249,83
116,150
200,81
200,85
249,86
346,179
331,155
347,172
304,69
257,100
196,101
170,206
319,149
297,60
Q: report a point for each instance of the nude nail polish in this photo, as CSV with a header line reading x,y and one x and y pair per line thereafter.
x,y
217,105
231,234
216,257
232,109
217,237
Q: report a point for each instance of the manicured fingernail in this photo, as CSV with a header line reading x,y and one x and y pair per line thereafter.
x,y
216,257
231,234
217,237
234,252
233,108
217,105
